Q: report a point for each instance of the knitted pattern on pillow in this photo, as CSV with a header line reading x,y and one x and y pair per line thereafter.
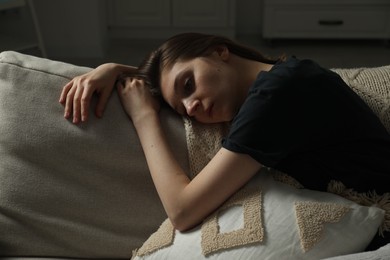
x,y
373,86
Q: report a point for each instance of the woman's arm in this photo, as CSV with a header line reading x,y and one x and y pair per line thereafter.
x,y
76,95
186,202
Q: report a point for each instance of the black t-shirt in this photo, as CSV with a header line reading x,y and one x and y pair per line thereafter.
x,y
304,120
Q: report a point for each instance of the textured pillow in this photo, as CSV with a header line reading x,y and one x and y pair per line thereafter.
x,y
271,220
71,190
373,86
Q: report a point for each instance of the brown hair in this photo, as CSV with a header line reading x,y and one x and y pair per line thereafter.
x,y
187,46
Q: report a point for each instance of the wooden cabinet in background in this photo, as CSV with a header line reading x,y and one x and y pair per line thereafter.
x,y
338,19
163,18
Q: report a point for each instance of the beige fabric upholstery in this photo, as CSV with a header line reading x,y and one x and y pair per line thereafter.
x,y
71,190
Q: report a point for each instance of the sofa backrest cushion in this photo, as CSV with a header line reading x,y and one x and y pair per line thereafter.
x,y
71,190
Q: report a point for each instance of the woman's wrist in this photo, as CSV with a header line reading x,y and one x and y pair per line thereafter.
x,y
119,69
143,121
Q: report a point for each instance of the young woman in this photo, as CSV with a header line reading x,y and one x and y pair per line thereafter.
x,y
289,114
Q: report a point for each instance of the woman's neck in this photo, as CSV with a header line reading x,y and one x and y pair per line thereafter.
x,y
248,70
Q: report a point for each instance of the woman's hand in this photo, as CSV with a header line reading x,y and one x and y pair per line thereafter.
x,y
137,99
76,95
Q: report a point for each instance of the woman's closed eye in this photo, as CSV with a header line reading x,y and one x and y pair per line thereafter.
x,y
188,86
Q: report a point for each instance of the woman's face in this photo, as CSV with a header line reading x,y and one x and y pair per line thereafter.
x,y
204,88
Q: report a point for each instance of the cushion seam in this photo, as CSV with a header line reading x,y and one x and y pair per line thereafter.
x,y
34,69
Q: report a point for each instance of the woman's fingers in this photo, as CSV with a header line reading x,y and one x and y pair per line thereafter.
x,y
76,97
85,102
137,99
72,99
68,102
77,105
65,91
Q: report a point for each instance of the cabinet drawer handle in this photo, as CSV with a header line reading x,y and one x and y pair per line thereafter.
x,y
331,22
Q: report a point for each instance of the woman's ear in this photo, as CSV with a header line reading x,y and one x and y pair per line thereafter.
x,y
223,52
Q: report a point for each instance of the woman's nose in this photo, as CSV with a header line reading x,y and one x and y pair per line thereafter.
x,y
191,106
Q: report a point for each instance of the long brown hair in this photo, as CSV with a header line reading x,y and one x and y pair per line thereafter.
x,y
188,46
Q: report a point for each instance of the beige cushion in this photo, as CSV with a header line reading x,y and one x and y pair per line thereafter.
x,y
373,86
71,190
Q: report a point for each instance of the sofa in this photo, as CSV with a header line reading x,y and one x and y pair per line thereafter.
x,y
84,192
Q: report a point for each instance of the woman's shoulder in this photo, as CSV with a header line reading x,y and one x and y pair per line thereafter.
x,y
292,65
289,75
281,72
292,69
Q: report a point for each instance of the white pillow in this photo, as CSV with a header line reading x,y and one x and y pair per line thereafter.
x,y
281,222
382,253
